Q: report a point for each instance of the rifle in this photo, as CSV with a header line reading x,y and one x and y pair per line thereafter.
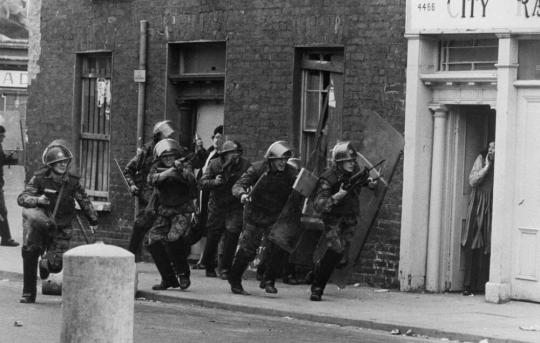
x,y
361,178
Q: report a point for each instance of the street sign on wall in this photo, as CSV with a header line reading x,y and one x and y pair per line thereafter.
x,y
469,16
13,79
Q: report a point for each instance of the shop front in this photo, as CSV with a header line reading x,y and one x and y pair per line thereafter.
x,y
473,77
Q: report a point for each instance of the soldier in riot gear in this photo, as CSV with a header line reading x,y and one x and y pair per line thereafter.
x,y
339,208
136,173
271,181
224,210
176,187
49,209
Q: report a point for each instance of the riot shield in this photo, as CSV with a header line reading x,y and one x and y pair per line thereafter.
x,y
377,141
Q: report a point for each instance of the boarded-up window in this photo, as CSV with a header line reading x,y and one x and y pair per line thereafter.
x,y
95,114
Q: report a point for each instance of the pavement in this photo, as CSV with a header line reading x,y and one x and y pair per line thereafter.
x,y
447,316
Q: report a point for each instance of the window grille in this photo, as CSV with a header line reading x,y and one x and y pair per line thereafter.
x,y
466,55
95,113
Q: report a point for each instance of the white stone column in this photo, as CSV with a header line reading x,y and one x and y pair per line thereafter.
x,y
498,289
440,115
416,165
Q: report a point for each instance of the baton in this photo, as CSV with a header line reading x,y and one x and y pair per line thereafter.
x,y
81,227
122,174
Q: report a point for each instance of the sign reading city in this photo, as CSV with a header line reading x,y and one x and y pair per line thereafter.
x,y
13,79
473,15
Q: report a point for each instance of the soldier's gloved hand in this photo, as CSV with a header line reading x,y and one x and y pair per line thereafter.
x,y
43,200
134,190
340,194
244,198
168,173
93,228
220,180
372,183
179,164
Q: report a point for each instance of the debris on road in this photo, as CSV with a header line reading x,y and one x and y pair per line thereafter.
x,y
382,290
18,323
530,328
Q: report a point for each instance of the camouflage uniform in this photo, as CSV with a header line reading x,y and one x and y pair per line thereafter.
x,y
270,192
224,211
340,219
165,239
136,173
52,237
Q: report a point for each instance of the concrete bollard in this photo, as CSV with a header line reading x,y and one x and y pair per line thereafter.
x,y
97,294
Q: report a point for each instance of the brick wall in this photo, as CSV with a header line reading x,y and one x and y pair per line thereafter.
x,y
261,37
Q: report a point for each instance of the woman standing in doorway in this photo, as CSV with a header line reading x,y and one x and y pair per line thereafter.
x,y
476,235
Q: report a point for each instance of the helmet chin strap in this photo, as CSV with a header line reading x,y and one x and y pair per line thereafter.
x,y
61,174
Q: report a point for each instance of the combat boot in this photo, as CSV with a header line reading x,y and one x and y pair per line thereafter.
x,y
238,268
316,294
268,286
165,284
184,281
30,262
163,264
236,287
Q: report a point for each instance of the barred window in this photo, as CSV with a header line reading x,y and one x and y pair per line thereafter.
x,y
95,114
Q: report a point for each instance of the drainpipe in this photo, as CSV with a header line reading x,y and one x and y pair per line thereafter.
x,y
141,79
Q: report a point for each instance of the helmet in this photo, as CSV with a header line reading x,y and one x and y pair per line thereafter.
x,y
279,149
55,152
344,151
231,146
59,144
166,146
165,128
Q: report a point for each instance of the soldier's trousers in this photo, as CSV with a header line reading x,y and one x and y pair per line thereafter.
x,y
249,242
143,222
51,242
5,233
226,223
323,269
170,259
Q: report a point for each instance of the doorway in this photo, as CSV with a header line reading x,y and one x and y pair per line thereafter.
x,y
470,129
